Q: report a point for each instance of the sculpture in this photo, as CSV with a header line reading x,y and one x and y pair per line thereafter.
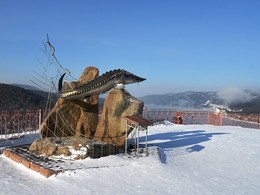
x,y
99,84
74,117
76,111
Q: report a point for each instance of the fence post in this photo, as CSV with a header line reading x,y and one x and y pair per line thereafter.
x,y
220,119
40,118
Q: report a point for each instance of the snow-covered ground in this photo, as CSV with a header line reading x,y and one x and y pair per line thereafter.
x,y
26,138
194,159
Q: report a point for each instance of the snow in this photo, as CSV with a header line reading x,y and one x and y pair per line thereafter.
x,y
193,159
26,138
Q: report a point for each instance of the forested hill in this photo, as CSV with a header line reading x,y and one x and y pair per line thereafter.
x,y
16,98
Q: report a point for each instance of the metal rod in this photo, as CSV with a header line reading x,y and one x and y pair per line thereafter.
x,y
18,128
40,118
146,141
135,140
5,129
126,139
138,141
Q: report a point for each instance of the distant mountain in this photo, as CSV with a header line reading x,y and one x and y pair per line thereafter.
x,y
28,87
14,97
184,100
202,100
27,97
251,107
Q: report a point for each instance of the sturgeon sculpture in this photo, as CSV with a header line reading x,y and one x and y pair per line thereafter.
x,y
99,85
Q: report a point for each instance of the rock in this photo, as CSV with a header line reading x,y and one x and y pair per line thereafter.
x,y
111,127
48,147
62,150
50,150
73,117
43,147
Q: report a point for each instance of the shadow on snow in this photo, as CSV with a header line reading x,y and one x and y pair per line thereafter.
x,y
170,140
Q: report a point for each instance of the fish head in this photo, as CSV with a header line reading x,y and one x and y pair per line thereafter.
x,y
128,78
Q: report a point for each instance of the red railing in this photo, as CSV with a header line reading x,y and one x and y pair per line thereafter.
x,y
18,121
203,117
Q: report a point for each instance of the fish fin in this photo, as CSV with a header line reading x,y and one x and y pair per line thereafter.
x,y
60,82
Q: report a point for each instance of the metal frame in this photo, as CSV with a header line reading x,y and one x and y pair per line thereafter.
x,y
138,124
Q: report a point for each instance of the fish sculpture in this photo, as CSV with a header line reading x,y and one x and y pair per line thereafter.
x,y
101,84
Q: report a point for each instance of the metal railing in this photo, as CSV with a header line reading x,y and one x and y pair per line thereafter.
x,y
203,117
14,124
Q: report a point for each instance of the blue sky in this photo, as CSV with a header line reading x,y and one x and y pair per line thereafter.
x,y
184,45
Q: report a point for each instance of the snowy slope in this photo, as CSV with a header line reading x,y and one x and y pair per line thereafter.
x,y
194,159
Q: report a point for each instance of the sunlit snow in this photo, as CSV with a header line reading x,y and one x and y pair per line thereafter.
x,y
190,159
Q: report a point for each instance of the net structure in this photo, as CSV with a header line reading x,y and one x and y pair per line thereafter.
x,y
47,78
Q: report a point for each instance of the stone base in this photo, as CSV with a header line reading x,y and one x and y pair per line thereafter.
x,y
30,164
70,146
47,166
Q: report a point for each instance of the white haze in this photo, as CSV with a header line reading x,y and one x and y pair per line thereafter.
x,y
234,95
